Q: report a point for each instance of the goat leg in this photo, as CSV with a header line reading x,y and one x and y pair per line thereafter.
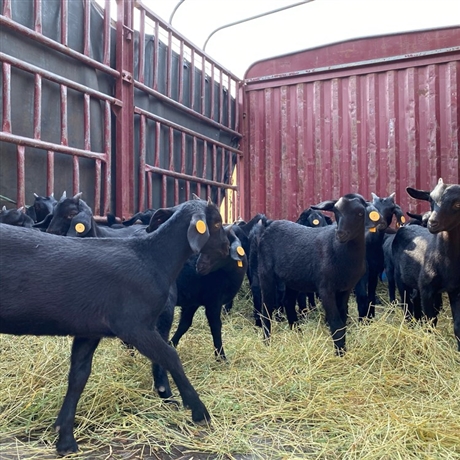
x,y
80,368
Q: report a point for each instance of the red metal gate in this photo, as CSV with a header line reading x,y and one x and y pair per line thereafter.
x,y
152,147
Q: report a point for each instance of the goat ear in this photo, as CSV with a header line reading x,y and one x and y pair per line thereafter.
x,y
198,232
80,224
325,205
159,217
418,194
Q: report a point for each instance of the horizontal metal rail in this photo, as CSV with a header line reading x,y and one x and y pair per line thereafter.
x,y
25,31
57,78
185,109
171,124
39,144
201,180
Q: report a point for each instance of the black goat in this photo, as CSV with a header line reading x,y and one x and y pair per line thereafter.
x,y
219,286
73,217
242,230
336,261
366,287
310,218
116,288
15,217
427,260
42,206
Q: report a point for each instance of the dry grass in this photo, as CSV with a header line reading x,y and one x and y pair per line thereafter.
x,y
395,395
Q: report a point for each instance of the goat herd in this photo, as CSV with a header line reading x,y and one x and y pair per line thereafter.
x,y
124,280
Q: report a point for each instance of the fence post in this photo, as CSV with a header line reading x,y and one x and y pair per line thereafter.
x,y
124,126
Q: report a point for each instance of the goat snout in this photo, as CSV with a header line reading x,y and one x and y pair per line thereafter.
x,y
342,236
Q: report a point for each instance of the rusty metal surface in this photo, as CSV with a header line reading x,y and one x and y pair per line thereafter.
x,y
370,115
134,116
49,108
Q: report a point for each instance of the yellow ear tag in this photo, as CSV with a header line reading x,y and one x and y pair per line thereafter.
x,y
200,227
80,228
240,251
372,229
240,264
374,216
315,221
403,219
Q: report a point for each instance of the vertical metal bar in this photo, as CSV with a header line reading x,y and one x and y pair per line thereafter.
x,y
194,154
181,73
108,156
142,161
221,96
171,159
86,122
229,101
6,95
7,8
205,165
64,23
212,84
169,66
156,52
37,106
124,91
64,133
97,187
239,94
38,16
141,47
21,175
203,85
107,36
192,79
182,153
149,191
86,26
76,174
49,172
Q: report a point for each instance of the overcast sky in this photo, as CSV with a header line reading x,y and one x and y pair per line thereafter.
x,y
306,26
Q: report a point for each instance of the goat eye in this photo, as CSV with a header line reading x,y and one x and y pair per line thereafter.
x,y
360,214
457,205
218,225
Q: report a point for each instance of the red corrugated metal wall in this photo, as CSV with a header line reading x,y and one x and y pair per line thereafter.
x,y
368,115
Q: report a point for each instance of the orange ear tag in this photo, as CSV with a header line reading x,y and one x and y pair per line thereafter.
x,y
200,227
239,263
315,221
374,216
403,219
372,229
240,251
80,228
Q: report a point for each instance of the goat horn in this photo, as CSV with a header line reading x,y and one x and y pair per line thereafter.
x,y
78,196
64,195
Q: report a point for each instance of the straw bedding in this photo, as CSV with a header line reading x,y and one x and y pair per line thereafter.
x,y
395,394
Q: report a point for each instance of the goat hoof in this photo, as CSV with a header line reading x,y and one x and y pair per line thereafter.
x,y
172,402
201,416
66,448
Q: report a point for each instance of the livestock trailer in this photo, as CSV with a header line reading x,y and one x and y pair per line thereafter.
x,y
134,115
